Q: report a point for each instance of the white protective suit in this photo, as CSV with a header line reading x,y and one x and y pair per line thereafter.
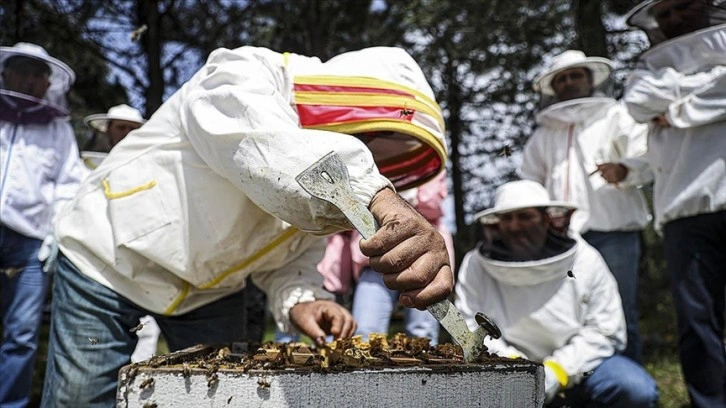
x,y
572,138
544,314
39,167
204,194
685,78
40,173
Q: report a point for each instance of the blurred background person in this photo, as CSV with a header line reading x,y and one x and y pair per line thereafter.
x,y
579,145
553,298
39,172
679,88
107,130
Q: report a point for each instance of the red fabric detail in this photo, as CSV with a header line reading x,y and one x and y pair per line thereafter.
x,y
318,115
408,171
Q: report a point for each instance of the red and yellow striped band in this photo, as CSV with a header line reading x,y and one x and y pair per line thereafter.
x,y
354,105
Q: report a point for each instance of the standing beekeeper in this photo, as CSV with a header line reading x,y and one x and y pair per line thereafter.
x,y
107,130
580,142
678,87
39,173
204,195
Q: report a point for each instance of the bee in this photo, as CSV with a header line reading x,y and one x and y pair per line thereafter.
x,y
147,383
406,112
137,328
229,400
212,380
136,34
570,274
93,340
186,370
506,151
588,373
263,382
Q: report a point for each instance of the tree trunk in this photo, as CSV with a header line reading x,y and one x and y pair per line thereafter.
x,y
151,43
454,103
591,36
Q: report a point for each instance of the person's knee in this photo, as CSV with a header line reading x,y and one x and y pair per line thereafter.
x,y
636,392
22,336
620,382
642,397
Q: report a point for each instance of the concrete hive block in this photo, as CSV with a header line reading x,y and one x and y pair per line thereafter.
x,y
168,381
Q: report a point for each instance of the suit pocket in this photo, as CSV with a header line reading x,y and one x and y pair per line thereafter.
x,y
136,207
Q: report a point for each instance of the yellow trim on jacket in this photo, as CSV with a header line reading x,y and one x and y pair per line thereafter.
x,y
287,234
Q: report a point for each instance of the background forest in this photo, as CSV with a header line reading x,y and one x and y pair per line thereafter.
x,y
481,58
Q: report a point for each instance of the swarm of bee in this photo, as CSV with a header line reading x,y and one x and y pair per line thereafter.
x,y
378,351
336,356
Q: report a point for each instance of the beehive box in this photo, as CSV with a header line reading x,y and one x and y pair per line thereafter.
x,y
293,375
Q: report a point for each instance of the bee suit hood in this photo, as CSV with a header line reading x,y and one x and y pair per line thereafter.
x,y
379,93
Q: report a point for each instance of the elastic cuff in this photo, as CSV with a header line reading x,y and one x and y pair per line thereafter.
x,y
559,372
298,295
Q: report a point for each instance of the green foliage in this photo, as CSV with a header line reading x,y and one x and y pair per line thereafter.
x,y
37,22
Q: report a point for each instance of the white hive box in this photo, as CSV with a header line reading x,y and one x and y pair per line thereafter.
x,y
168,383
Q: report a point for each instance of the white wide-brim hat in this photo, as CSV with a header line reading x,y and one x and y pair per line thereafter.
x,y
517,195
601,69
61,75
99,121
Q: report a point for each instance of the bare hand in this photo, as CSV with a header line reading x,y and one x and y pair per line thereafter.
x,y
613,173
662,121
318,318
409,252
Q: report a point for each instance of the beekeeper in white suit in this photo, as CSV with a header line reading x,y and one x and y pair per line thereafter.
x,y
679,88
107,130
553,298
579,142
204,195
39,173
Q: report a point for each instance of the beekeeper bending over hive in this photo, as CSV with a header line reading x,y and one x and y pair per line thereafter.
x,y
204,194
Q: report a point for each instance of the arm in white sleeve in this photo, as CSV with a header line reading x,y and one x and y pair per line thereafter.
x,y
702,106
238,116
632,143
687,100
502,348
534,166
70,169
639,171
648,94
297,282
603,331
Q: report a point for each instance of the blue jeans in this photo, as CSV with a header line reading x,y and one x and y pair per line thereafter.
x,y
373,305
617,382
621,251
695,251
21,305
90,338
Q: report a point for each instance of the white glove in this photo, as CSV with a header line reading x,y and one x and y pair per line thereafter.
x,y
552,384
48,253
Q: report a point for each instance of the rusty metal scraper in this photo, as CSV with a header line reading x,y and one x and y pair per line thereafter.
x,y
327,179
